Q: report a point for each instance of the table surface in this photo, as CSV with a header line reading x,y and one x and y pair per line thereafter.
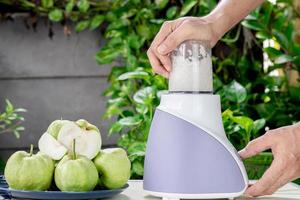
x,y
135,192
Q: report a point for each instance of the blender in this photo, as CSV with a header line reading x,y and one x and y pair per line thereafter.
x,y
188,155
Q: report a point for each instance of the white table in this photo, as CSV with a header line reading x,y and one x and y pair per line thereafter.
x,y
135,192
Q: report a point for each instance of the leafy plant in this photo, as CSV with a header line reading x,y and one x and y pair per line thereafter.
x,y
252,98
11,119
10,122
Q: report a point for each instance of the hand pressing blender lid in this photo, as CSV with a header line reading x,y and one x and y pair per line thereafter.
x,y
188,155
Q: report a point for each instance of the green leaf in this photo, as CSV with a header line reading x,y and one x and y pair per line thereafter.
x,y
96,21
227,114
235,92
83,5
115,128
144,31
281,38
82,25
20,110
70,5
268,8
251,24
245,122
187,6
157,21
137,148
17,134
142,109
251,17
130,121
133,75
28,4
137,168
129,13
217,83
227,39
171,12
56,15
295,92
9,108
47,3
107,55
134,41
161,3
111,111
262,35
283,59
272,52
119,101
258,124
144,95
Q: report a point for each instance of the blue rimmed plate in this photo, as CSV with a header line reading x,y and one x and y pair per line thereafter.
x,y
96,194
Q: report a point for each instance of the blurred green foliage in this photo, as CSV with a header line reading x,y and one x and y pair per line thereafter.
x,y
252,98
11,120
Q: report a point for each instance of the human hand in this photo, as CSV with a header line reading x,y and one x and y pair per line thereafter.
x,y
285,145
172,33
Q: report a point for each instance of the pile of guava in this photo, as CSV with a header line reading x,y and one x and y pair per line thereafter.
x,y
70,158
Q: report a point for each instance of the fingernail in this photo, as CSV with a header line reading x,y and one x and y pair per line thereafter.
x,y
162,49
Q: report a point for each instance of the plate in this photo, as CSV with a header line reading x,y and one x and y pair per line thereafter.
x,y
96,194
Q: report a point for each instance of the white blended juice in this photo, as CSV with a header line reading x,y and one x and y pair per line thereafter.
x,y
191,68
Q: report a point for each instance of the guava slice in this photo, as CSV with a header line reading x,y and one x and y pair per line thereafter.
x,y
51,147
88,142
55,127
68,133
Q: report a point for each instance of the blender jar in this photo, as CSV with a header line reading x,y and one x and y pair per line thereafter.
x,y
191,68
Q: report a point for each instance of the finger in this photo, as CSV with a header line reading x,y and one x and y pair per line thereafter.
x,y
165,61
156,65
164,31
256,146
284,179
288,175
270,176
173,40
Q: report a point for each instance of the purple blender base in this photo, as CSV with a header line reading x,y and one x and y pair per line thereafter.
x,y
182,158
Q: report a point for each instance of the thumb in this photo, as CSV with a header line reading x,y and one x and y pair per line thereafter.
x,y
172,41
256,146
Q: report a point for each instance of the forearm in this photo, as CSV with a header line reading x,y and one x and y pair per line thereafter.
x,y
229,12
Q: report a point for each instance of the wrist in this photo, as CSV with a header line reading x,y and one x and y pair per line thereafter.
x,y
219,22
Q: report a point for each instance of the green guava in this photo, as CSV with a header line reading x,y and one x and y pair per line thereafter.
x,y
113,166
55,127
75,173
28,171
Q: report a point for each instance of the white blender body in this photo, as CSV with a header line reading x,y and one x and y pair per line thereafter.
x,y
188,155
